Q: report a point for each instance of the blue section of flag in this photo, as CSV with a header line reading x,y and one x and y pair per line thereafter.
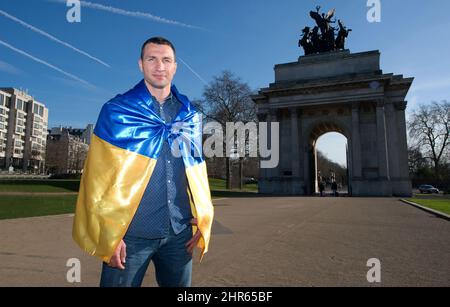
x,y
128,121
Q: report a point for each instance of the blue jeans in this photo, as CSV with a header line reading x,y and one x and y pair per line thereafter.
x,y
173,264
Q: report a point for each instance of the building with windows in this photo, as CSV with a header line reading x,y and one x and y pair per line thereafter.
x,y
23,131
67,149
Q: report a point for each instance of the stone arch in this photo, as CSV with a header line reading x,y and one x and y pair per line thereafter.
x,y
319,127
344,92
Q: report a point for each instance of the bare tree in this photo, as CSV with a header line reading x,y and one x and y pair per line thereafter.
x,y
416,160
227,99
429,130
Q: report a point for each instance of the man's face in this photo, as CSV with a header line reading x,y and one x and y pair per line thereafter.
x,y
158,65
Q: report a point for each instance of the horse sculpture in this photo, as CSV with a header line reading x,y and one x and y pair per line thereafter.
x,y
313,42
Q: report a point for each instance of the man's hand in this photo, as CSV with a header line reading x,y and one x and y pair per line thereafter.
x,y
193,242
118,259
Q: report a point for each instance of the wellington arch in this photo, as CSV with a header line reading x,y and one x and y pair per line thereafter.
x,y
337,92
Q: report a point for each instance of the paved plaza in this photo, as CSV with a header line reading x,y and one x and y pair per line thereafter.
x,y
270,241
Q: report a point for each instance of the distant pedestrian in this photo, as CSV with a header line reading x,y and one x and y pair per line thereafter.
x,y
321,188
334,187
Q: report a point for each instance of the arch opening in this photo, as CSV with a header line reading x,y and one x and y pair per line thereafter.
x,y
330,160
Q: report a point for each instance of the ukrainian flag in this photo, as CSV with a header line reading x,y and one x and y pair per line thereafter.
x,y
124,148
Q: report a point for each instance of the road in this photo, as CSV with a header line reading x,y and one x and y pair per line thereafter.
x,y
263,241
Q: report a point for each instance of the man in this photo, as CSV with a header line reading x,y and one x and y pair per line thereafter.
x,y
321,188
334,187
144,196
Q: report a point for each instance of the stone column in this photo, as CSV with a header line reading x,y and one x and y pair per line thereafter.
x,y
301,140
392,141
402,140
269,184
295,141
305,154
262,117
383,166
356,143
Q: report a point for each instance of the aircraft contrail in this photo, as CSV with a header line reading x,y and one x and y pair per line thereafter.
x,y
46,63
193,71
139,15
26,25
131,13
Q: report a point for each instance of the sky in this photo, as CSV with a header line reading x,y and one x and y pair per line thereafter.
x,y
74,68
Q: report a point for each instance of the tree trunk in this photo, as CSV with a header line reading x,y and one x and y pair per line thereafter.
x,y
228,171
241,173
437,171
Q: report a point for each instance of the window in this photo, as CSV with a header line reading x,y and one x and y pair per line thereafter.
x,y
36,109
41,110
2,126
19,104
2,111
19,129
20,115
2,100
20,122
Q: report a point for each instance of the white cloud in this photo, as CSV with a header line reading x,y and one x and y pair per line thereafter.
x,y
75,84
8,68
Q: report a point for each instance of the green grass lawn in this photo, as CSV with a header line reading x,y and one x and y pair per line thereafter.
x,y
219,185
40,186
54,186
28,206
442,205
12,207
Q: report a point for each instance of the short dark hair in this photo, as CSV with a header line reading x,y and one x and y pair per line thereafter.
x,y
158,41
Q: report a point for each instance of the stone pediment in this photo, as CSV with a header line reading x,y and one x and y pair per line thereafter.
x,y
333,77
331,64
